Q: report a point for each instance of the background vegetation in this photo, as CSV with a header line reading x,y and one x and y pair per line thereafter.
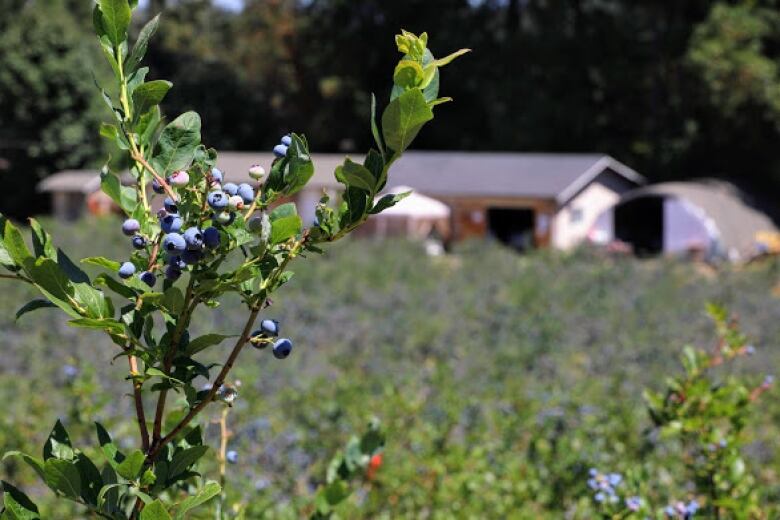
x,y
675,89
499,379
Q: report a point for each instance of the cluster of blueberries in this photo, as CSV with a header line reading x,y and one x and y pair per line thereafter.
x,y
604,485
267,334
682,510
280,150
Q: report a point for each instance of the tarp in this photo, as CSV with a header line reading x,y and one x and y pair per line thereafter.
x,y
416,206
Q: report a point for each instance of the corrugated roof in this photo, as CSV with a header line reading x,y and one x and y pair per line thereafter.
x,y
510,174
734,213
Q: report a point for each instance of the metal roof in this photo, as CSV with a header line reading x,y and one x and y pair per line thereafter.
x,y
445,174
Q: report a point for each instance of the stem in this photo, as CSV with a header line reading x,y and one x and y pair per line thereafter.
x,y
155,450
139,404
224,436
21,277
138,157
189,307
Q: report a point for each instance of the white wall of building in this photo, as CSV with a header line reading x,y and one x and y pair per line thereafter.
x,y
574,220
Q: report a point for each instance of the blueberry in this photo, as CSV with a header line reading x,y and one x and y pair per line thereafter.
x,y
235,202
148,278
232,456
126,270
246,192
211,237
225,218
170,205
130,227
139,242
157,187
191,257
282,348
256,172
172,272
216,175
230,188
194,239
179,178
280,151
177,262
171,223
269,327
174,243
287,140
217,200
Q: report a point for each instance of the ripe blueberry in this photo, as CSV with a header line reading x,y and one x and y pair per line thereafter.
x,y
130,227
126,270
174,243
280,151
211,237
177,262
246,192
157,187
179,178
230,188
139,242
148,278
232,456
217,200
269,327
171,223
256,172
194,238
216,175
170,205
191,257
282,348
172,272
287,140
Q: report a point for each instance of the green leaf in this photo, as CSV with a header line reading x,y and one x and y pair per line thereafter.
x,y
178,143
115,19
112,453
53,283
448,59
284,228
403,118
62,476
155,511
204,342
356,175
33,305
34,462
14,245
109,325
93,302
42,245
149,95
131,467
102,261
408,74
91,481
209,491
18,506
283,210
374,128
124,196
58,443
141,44
299,166
388,201
111,283
182,460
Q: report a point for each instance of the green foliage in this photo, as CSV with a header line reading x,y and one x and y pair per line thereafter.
x,y
249,258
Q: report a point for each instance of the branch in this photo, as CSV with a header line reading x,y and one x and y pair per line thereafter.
x,y
214,388
139,404
20,277
138,157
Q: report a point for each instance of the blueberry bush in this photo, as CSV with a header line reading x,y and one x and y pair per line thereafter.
x,y
210,239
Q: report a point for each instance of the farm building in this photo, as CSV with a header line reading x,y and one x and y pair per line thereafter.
x,y
711,219
523,199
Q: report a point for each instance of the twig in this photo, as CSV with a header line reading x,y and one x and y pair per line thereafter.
x,y
242,340
140,158
139,404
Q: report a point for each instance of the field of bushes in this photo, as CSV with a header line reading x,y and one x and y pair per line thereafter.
x,y
499,379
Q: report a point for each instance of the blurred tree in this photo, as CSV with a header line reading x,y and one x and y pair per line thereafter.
x,y
49,109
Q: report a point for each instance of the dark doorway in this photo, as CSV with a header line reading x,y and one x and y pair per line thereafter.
x,y
640,222
514,227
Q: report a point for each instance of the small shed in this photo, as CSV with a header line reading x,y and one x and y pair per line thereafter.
x,y
415,216
708,218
